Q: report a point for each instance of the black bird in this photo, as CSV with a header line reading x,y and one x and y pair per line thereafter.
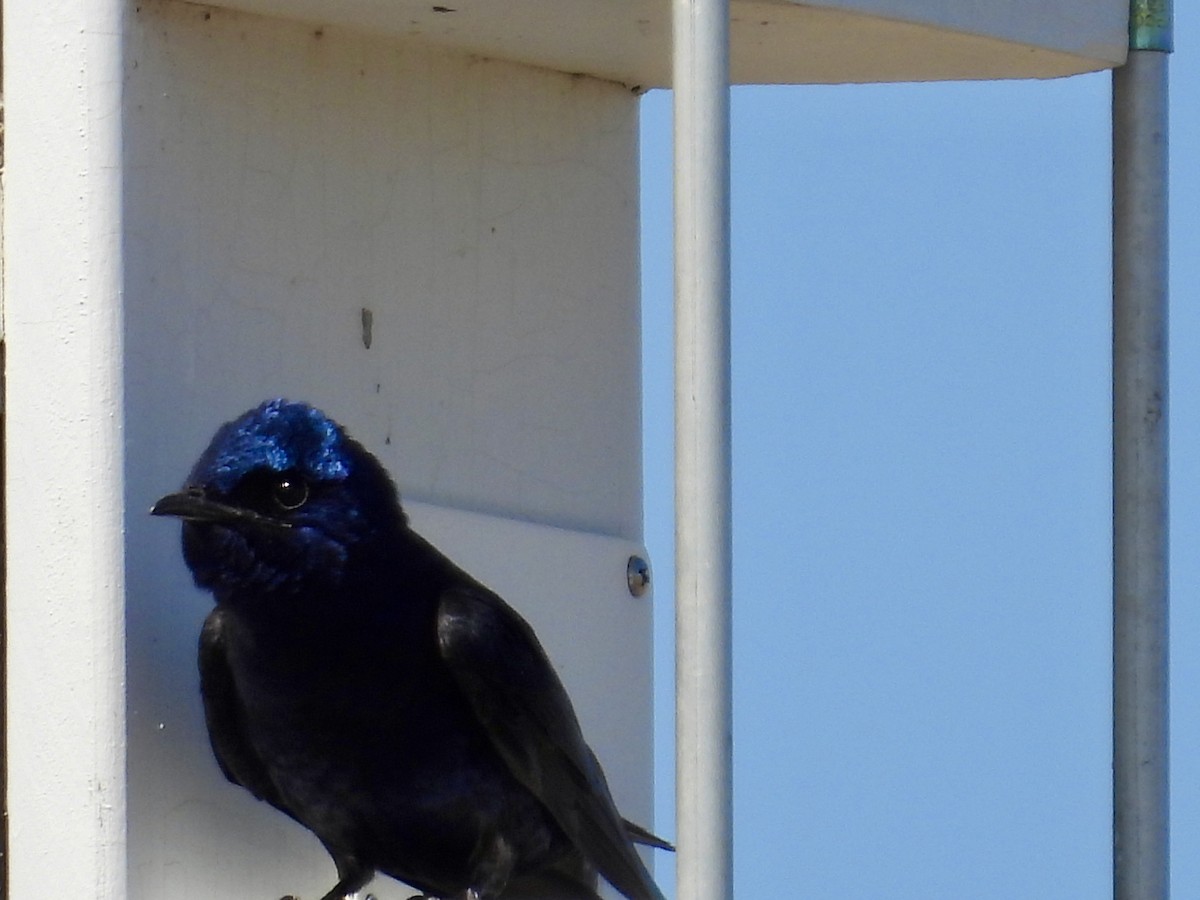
x,y
359,681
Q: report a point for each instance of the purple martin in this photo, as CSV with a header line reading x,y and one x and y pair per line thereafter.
x,y
359,681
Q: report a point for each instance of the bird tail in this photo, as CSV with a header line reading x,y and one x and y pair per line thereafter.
x,y
640,835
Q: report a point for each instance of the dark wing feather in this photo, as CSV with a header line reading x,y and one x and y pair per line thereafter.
x,y
640,835
514,692
224,715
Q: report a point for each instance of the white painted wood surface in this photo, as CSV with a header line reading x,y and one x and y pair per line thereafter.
x,y
64,413
282,178
772,41
200,206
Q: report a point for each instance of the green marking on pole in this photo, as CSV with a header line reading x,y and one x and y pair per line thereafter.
x,y
1151,25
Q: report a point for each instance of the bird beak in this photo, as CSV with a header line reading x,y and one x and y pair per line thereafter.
x,y
192,505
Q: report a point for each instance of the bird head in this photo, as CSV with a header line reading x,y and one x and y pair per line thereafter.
x,y
280,500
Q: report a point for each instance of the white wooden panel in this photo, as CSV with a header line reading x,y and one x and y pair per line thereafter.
x,y
279,180
65,752
200,204
772,41
282,179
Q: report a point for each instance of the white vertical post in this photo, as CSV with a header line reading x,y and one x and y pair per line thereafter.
x,y
1141,862
64,449
702,451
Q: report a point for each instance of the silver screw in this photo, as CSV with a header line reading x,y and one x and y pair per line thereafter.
x,y
637,575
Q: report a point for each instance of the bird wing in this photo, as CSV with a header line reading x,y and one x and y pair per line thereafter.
x,y
224,714
517,697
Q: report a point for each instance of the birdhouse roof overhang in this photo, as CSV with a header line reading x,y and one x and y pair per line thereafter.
x,y
773,41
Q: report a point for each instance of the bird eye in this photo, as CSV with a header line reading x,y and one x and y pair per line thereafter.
x,y
290,492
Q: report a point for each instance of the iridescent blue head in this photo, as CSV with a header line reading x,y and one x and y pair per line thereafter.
x,y
275,436
281,499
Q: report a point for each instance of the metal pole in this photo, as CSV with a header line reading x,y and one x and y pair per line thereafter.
x,y
702,451
1141,862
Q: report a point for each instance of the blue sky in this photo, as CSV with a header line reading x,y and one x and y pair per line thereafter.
x,y
921,315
